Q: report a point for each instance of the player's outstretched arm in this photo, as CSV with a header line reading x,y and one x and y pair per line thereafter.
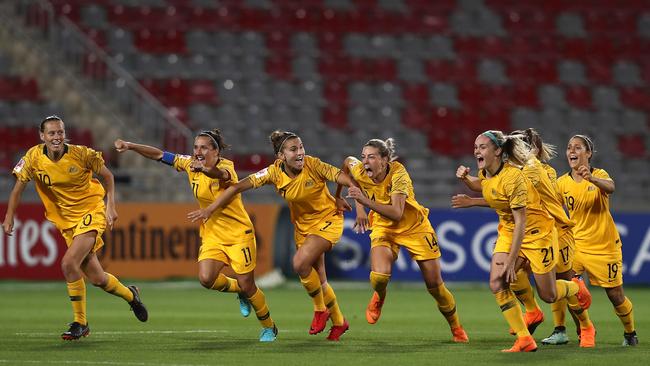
x,y
147,151
464,201
109,186
12,205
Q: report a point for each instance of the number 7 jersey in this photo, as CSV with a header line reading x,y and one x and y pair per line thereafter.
x,y
588,206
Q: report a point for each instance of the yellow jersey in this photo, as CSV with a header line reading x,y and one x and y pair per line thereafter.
x,y
509,189
415,218
66,187
595,231
544,179
307,194
232,225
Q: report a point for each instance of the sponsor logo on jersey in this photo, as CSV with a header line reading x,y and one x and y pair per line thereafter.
x,y
19,166
73,169
309,183
262,173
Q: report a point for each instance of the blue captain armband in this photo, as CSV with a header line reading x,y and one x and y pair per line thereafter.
x,y
167,158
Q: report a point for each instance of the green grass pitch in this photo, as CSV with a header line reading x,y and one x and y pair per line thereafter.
x,y
192,326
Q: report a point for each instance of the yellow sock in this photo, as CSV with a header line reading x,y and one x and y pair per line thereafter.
x,y
258,302
115,287
446,304
559,312
311,283
77,293
512,312
524,291
626,314
224,283
565,289
330,301
379,282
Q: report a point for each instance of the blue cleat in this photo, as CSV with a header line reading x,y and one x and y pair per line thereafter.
x,y
269,334
244,305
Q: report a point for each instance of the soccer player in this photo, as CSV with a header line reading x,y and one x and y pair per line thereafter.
x,y
227,238
598,247
301,180
544,179
396,220
525,232
74,203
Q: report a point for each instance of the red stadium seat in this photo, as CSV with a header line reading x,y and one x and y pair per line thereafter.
x,y
336,116
636,97
279,67
525,95
578,96
599,72
416,95
632,146
336,92
202,91
417,117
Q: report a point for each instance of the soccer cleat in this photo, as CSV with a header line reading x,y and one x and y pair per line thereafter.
x,y
373,311
532,319
630,339
244,305
76,331
269,334
523,344
557,337
337,331
137,306
588,337
459,335
319,322
583,295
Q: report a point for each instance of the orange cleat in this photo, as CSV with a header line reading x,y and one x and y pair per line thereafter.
x,y
337,331
319,322
459,335
583,295
523,344
533,319
373,311
588,337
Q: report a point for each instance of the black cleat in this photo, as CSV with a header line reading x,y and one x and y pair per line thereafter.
x,y
137,306
630,339
76,331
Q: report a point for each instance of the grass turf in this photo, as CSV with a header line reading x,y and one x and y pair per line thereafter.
x,y
189,325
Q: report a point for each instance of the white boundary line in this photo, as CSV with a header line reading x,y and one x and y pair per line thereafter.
x,y
60,362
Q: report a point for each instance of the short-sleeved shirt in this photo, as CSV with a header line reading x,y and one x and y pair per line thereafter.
x,y
595,231
509,189
309,199
66,187
415,218
232,225
544,179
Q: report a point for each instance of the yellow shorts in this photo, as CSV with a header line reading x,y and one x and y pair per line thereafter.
x,y
94,220
421,246
541,253
330,229
240,257
605,270
566,248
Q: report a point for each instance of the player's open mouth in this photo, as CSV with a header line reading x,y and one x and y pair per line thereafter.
x,y
479,159
200,157
573,158
369,171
